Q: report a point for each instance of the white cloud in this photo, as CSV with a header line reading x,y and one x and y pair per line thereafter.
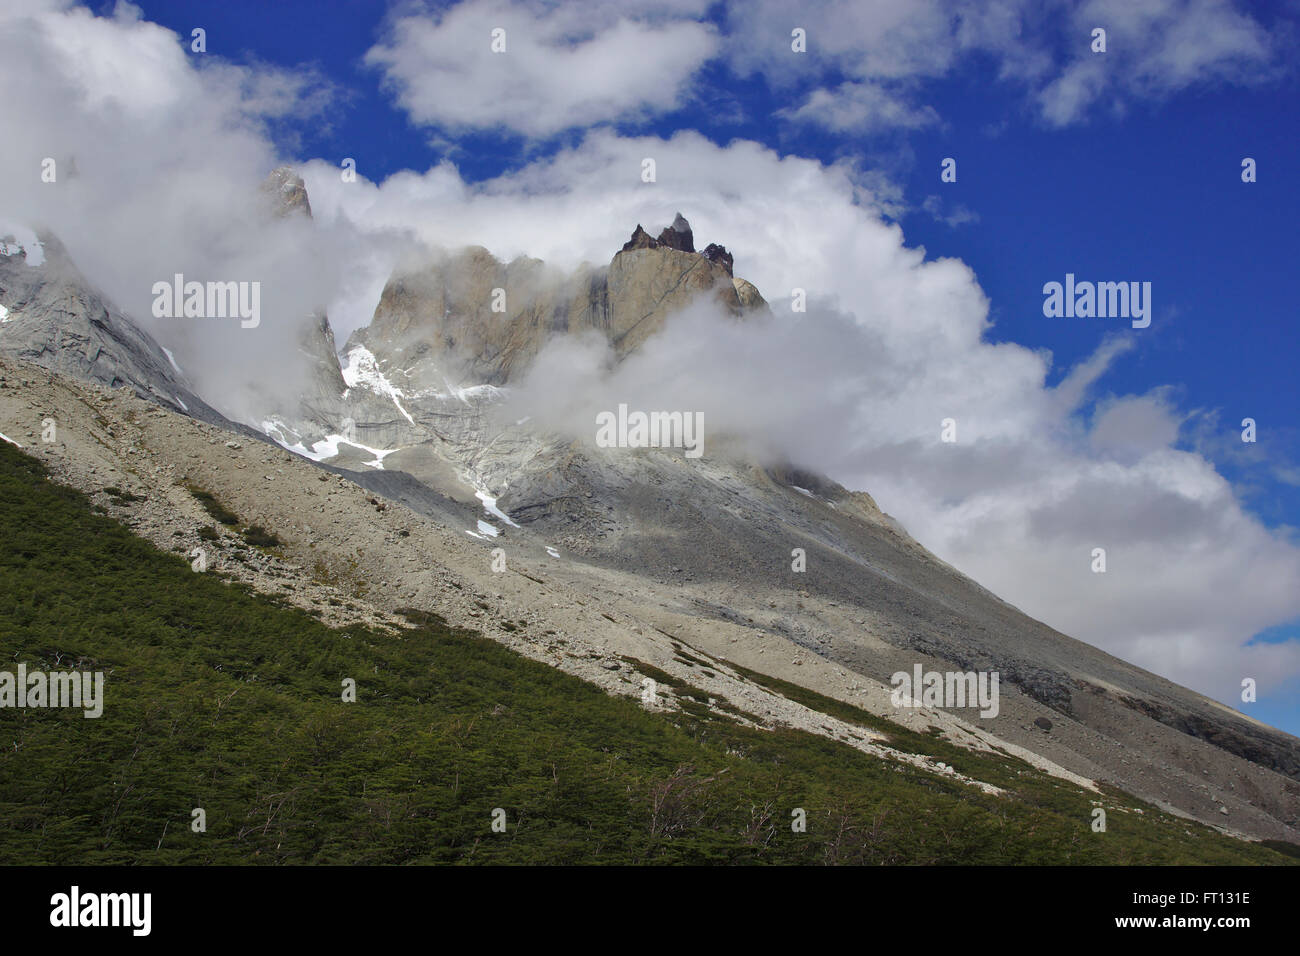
x,y
889,39
1154,49
568,65
861,107
169,150
959,216
1135,425
583,63
888,49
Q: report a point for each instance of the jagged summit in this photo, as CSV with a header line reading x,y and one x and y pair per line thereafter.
x,y
680,237
719,254
640,240
449,319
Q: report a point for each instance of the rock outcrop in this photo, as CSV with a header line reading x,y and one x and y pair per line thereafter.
x,y
678,236
321,408
467,317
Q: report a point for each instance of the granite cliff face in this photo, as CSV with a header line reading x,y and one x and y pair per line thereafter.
x,y
320,410
469,318
422,379
55,319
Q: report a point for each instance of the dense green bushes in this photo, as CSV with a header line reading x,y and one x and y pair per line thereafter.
x,y
219,512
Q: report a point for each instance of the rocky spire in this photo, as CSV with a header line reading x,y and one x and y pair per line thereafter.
x,y
719,254
678,235
640,240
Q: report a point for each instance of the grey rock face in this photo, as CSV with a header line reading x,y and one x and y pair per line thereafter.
x,y
321,408
58,321
286,192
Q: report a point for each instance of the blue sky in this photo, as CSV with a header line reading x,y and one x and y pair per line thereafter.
x,y
1117,166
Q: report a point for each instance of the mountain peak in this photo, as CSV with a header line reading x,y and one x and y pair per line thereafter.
x,y
640,240
719,254
676,236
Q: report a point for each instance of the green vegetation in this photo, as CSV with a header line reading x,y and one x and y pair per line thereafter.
x,y
219,512
1287,849
259,537
221,699
119,497
255,534
418,617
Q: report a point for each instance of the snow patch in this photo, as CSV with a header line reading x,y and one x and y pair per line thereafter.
x,y
171,358
487,529
803,491
465,393
490,506
552,552
16,239
362,371
327,447
379,454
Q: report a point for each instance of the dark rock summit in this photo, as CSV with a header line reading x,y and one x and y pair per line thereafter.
x,y
678,236
640,240
719,254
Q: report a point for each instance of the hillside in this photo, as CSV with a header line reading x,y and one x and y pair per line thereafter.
x,y
222,699
400,485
